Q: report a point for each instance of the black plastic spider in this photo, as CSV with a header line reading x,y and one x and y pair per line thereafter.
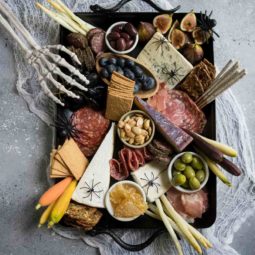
x,y
65,127
150,182
207,24
174,74
160,43
91,190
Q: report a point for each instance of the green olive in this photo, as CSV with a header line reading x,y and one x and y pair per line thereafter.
x,y
194,183
179,179
185,185
187,157
196,163
175,172
179,165
200,175
189,172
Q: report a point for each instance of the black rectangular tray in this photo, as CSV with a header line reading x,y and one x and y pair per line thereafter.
x,y
108,222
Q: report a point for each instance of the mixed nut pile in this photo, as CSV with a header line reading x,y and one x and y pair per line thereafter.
x,y
135,129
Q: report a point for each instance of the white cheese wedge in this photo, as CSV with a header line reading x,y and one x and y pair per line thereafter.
x,y
95,181
167,63
153,178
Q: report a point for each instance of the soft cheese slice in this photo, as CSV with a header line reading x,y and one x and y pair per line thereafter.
x,y
153,178
95,181
167,63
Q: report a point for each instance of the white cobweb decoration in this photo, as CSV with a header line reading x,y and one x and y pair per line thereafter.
x,y
231,129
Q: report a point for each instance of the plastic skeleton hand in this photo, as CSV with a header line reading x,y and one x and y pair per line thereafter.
x,y
46,63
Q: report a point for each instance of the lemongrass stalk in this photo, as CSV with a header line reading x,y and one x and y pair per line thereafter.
x,y
168,227
199,237
86,26
182,224
56,17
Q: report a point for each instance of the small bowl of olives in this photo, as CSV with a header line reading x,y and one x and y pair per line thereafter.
x,y
121,37
188,172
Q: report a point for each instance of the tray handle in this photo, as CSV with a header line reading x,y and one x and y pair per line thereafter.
x,y
123,244
99,9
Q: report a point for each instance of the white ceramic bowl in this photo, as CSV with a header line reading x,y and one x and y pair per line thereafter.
x,y
152,126
170,168
108,203
110,47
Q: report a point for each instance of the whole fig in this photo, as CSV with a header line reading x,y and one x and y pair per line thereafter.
x,y
145,30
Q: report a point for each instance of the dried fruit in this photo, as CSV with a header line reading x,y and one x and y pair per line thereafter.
x,y
178,38
200,36
145,30
193,53
163,22
176,24
189,22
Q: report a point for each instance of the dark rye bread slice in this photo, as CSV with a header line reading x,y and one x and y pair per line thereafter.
x,y
192,86
203,75
211,68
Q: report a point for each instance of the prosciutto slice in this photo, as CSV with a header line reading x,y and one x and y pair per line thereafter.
x,y
178,108
190,206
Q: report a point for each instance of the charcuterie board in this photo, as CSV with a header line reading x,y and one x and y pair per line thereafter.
x,y
145,222
134,141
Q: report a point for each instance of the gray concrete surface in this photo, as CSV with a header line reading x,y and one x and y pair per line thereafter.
x,y
25,141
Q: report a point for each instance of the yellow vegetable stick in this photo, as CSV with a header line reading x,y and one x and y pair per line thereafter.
x,y
62,204
225,149
216,170
45,215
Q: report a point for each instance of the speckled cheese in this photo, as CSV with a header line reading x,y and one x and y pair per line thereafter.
x,y
95,181
168,65
153,178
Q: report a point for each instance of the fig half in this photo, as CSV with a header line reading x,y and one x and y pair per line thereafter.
x,y
178,38
193,53
200,36
163,22
176,24
189,22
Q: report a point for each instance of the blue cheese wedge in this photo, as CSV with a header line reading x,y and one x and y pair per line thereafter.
x,y
95,181
168,65
153,178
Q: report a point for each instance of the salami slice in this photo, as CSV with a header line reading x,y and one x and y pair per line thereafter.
x,y
92,127
97,42
93,31
178,109
117,171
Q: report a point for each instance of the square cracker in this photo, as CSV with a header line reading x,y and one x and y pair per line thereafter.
x,y
119,93
116,106
73,158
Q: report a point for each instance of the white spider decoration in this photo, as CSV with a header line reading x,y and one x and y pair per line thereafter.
x,y
46,63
